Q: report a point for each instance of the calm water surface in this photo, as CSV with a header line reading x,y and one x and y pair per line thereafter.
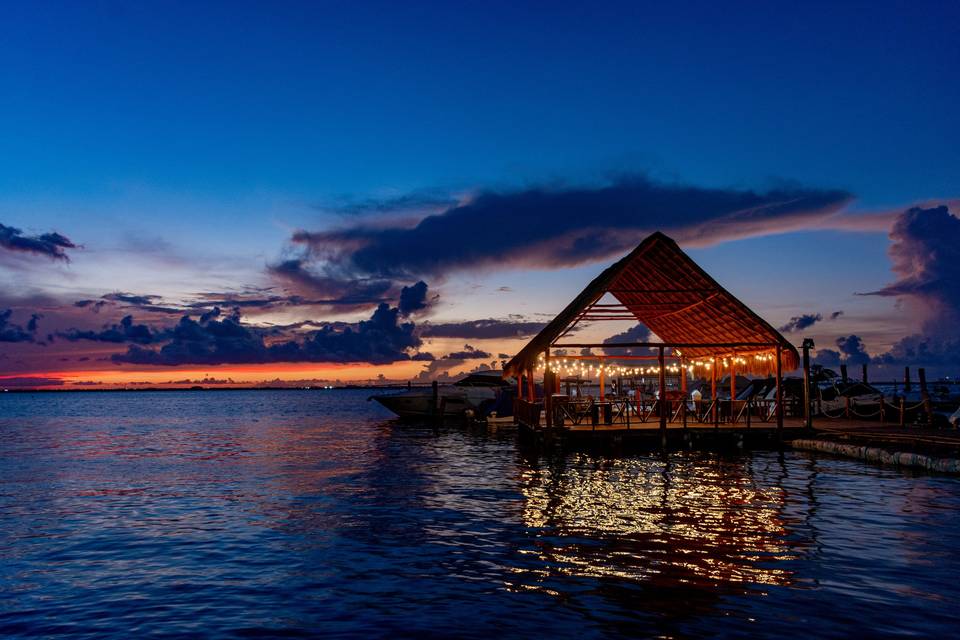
x,y
238,514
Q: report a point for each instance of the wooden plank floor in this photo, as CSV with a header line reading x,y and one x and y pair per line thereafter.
x,y
654,425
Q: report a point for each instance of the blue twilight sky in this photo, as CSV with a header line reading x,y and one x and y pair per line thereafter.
x,y
181,144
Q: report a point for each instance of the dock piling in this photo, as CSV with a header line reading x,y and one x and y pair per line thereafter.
x,y
925,396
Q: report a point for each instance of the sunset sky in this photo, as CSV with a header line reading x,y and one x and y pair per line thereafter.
x,y
251,192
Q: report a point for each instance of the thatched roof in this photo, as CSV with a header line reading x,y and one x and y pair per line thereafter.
x,y
660,286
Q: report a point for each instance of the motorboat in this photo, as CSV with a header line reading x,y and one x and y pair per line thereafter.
x,y
481,392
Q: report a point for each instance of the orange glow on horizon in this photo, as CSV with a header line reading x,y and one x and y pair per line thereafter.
x,y
242,375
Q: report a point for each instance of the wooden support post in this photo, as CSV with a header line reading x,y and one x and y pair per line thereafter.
x,y
807,413
903,411
906,380
547,389
883,411
683,392
925,396
846,407
779,391
713,395
664,409
733,390
865,381
531,391
520,387
601,378
843,373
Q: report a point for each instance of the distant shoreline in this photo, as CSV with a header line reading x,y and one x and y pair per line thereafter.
x,y
197,388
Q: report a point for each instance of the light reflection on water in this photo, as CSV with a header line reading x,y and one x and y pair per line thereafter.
x,y
266,513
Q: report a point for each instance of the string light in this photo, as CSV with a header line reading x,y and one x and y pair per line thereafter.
x,y
584,369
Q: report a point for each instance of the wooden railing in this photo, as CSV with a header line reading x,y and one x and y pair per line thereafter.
x,y
528,413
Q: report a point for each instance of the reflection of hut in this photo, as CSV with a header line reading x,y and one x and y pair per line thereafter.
x,y
656,533
705,330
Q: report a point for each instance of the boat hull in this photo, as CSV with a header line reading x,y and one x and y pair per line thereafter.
x,y
412,407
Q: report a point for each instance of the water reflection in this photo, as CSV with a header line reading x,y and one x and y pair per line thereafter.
x,y
666,536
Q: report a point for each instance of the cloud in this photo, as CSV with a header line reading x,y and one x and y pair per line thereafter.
x,y
95,305
852,350
28,382
925,251
637,333
488,329
204,380
413,298
131,298
124,331
468,353
144,302
551,227
835,315
380,340
440,368
322,282
801,322
827,357
416,201
52,245
10,332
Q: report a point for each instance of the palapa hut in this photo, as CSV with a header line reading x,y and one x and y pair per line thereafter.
x,y
701,324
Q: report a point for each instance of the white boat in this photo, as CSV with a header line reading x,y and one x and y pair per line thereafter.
x,y
479,392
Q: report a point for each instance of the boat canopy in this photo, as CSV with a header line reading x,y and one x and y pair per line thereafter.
x,y
490,378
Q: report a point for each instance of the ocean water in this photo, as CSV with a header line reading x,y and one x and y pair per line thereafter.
x,y
303,513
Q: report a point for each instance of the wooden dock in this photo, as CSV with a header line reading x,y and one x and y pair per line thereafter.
x,y
866,433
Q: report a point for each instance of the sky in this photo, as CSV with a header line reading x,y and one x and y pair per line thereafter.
x,y
249,192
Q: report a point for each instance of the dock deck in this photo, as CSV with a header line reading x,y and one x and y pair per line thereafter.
x,y
893,436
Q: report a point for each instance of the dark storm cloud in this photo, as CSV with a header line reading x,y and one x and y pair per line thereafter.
x,y
51,245
10,332
554,227
835,315
488,329
380,340
801,322
124,331
925,251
